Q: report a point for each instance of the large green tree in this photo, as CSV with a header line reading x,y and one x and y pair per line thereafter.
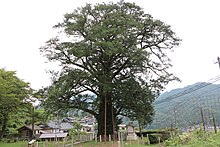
x,y
113,56
13,95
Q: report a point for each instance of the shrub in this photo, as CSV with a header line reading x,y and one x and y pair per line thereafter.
x,y
153,138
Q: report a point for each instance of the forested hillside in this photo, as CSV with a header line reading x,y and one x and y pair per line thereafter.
x,y
185,107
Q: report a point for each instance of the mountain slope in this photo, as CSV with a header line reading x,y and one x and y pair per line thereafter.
x,y
183,106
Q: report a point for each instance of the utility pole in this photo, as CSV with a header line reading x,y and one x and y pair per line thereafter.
x,y
175,121
113,124
214,123
105,118
218,61
32,123
202,116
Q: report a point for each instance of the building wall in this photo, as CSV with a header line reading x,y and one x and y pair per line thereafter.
x,y
25,133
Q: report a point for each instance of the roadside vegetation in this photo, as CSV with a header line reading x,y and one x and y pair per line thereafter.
x,y
197,138
138,143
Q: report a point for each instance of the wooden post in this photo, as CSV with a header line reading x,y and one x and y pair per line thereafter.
x,y
72,141
119,139
109,137
46,143
100,138
148,140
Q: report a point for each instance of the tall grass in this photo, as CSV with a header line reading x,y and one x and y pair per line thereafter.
x,y
197,138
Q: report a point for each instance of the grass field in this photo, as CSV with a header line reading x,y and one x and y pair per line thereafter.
x,y
87,144
25,144
115,144
191,139
16,144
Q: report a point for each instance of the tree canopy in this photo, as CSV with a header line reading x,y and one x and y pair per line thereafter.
x,y
113,56
13,93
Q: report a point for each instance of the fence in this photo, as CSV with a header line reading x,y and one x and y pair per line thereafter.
x,y
67,142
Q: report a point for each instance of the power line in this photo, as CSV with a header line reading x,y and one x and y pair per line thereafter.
x,y
185,92
189,90
185,110
211,90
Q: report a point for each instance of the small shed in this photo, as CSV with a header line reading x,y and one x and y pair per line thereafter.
x,y
25,132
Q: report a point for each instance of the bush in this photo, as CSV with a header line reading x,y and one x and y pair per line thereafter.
x,y
159,135
165,135
153,138
188,137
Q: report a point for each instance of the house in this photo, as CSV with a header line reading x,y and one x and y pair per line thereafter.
x,y
45,128
88,124
51,129
58,130
58,126
25,132
87,128
88,120
69,119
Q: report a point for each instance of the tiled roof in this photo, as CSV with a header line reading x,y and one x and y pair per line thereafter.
x,y
30,127
44,132
35,127
53,135
61,125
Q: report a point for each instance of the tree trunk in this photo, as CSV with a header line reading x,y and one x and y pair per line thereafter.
x,y
4,125
32,123
140,129
101,117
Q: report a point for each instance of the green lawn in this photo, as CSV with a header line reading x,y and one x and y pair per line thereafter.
x,y
196,139
88,144
16,144
115,144
25,144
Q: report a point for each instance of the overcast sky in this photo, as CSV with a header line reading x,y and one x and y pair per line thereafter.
x,y
27,24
